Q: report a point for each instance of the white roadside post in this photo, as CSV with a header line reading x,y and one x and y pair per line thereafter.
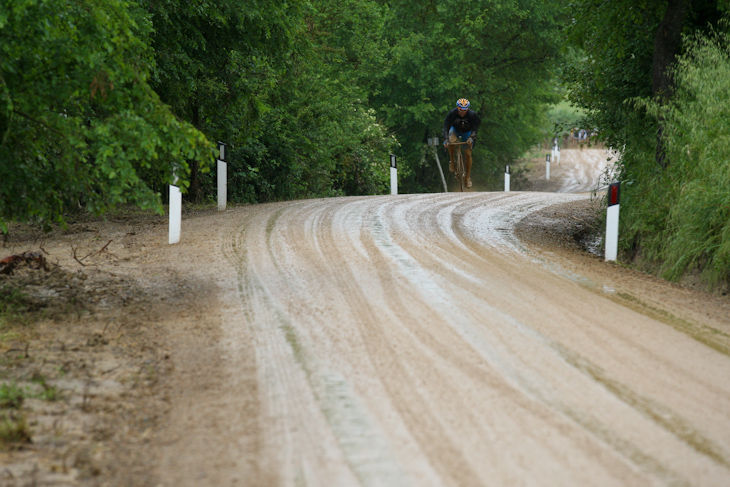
x,y
552,152
557,154
434,143
547,167
506,178
175,211
614,191
393,175
222,177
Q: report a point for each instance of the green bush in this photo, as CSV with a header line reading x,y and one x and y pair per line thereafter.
x,y
690,200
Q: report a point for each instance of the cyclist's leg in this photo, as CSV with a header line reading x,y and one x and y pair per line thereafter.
x,y
452,138
467,164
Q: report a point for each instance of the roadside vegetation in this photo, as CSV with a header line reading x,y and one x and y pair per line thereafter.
x,y
653,77
691,196
14,430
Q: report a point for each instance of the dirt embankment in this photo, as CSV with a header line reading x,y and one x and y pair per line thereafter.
x,y
85,351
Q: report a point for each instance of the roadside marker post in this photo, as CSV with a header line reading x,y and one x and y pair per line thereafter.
x,y
393,175
175,213
222,177
557,155
547,167
506,178
434,143
614,193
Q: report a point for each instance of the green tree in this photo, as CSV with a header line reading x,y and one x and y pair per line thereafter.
x,y
625,50
317,135
216,62
78,119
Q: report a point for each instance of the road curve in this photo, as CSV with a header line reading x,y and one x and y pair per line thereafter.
x,y
413,341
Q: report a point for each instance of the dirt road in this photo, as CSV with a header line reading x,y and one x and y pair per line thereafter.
x,y
575,171
430,340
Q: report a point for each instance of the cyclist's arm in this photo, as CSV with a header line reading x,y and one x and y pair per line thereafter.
x,y
475,121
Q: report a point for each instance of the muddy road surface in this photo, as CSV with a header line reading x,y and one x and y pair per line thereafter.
x,y
428,340
416,340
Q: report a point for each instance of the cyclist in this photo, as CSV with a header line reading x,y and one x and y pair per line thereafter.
x,y
461,125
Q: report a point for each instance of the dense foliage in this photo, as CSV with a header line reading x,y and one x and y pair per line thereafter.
x,y
693,193
669,132
79,122
101,101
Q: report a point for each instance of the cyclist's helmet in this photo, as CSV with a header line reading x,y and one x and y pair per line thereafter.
x,y
462,103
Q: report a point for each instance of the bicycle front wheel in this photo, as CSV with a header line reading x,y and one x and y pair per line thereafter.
x,y
460,170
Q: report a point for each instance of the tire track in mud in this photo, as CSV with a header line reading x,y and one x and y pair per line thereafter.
x,y
232,247
287,347
467,359
594,426
389,354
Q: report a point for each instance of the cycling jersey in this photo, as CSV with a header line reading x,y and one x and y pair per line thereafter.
x,y
467,123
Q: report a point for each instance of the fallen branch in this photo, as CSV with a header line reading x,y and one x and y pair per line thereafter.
x,y
74,255
91,254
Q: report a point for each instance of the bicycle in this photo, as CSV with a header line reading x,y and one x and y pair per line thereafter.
x,y
459,167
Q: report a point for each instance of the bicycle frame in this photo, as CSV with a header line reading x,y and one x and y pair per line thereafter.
x,y
460,169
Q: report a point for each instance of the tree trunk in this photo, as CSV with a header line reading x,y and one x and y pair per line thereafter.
x,y
666,47
194,191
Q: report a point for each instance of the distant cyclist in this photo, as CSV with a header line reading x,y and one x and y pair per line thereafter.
x,y
461,125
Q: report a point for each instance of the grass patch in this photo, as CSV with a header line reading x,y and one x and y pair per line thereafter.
x,y
12,300
13,309
14,431
11,396
49,393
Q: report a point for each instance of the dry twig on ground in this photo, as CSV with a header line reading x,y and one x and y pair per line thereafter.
x,y
103,250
